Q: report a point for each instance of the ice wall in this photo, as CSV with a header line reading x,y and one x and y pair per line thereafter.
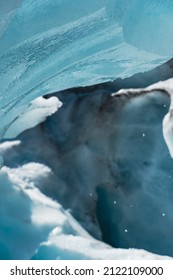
x,y
146,24
47,46
109,165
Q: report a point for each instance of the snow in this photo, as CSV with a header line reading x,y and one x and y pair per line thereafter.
x,y
166,86
57,247
39,228
87,169
168,119
23,225
35,113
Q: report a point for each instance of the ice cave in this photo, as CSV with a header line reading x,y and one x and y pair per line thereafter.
x,y
86,121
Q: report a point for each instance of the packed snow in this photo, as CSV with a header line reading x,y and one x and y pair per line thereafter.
x,y
34,226
31,115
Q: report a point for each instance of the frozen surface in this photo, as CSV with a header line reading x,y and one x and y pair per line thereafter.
x,y
27,216
32,114
36,227
57,247
146,24
48,45
108,163
163,86
99,167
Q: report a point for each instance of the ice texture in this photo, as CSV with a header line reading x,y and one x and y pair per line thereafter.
x,y
109,165
31,115
162,86
47,46
97,150
34,226
146,24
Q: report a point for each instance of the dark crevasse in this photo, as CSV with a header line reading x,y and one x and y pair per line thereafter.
x,y
118,149
110,165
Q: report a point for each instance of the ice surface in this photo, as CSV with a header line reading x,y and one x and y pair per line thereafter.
x,y
75,247
109,165
118,155
27,216
163,86
51,45
31,115
48,45
146,24
35,227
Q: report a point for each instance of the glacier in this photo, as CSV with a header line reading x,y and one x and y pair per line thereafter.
x,y
99,162
40,228
107,165
48,46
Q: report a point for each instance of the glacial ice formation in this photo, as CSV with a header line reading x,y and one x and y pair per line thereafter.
x,y
32,114
109,165
163,86
48,46
103,159
38,227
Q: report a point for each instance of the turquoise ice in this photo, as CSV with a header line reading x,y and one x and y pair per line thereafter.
x,y
50,45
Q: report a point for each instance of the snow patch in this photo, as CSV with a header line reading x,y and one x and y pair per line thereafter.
x,y
36,112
